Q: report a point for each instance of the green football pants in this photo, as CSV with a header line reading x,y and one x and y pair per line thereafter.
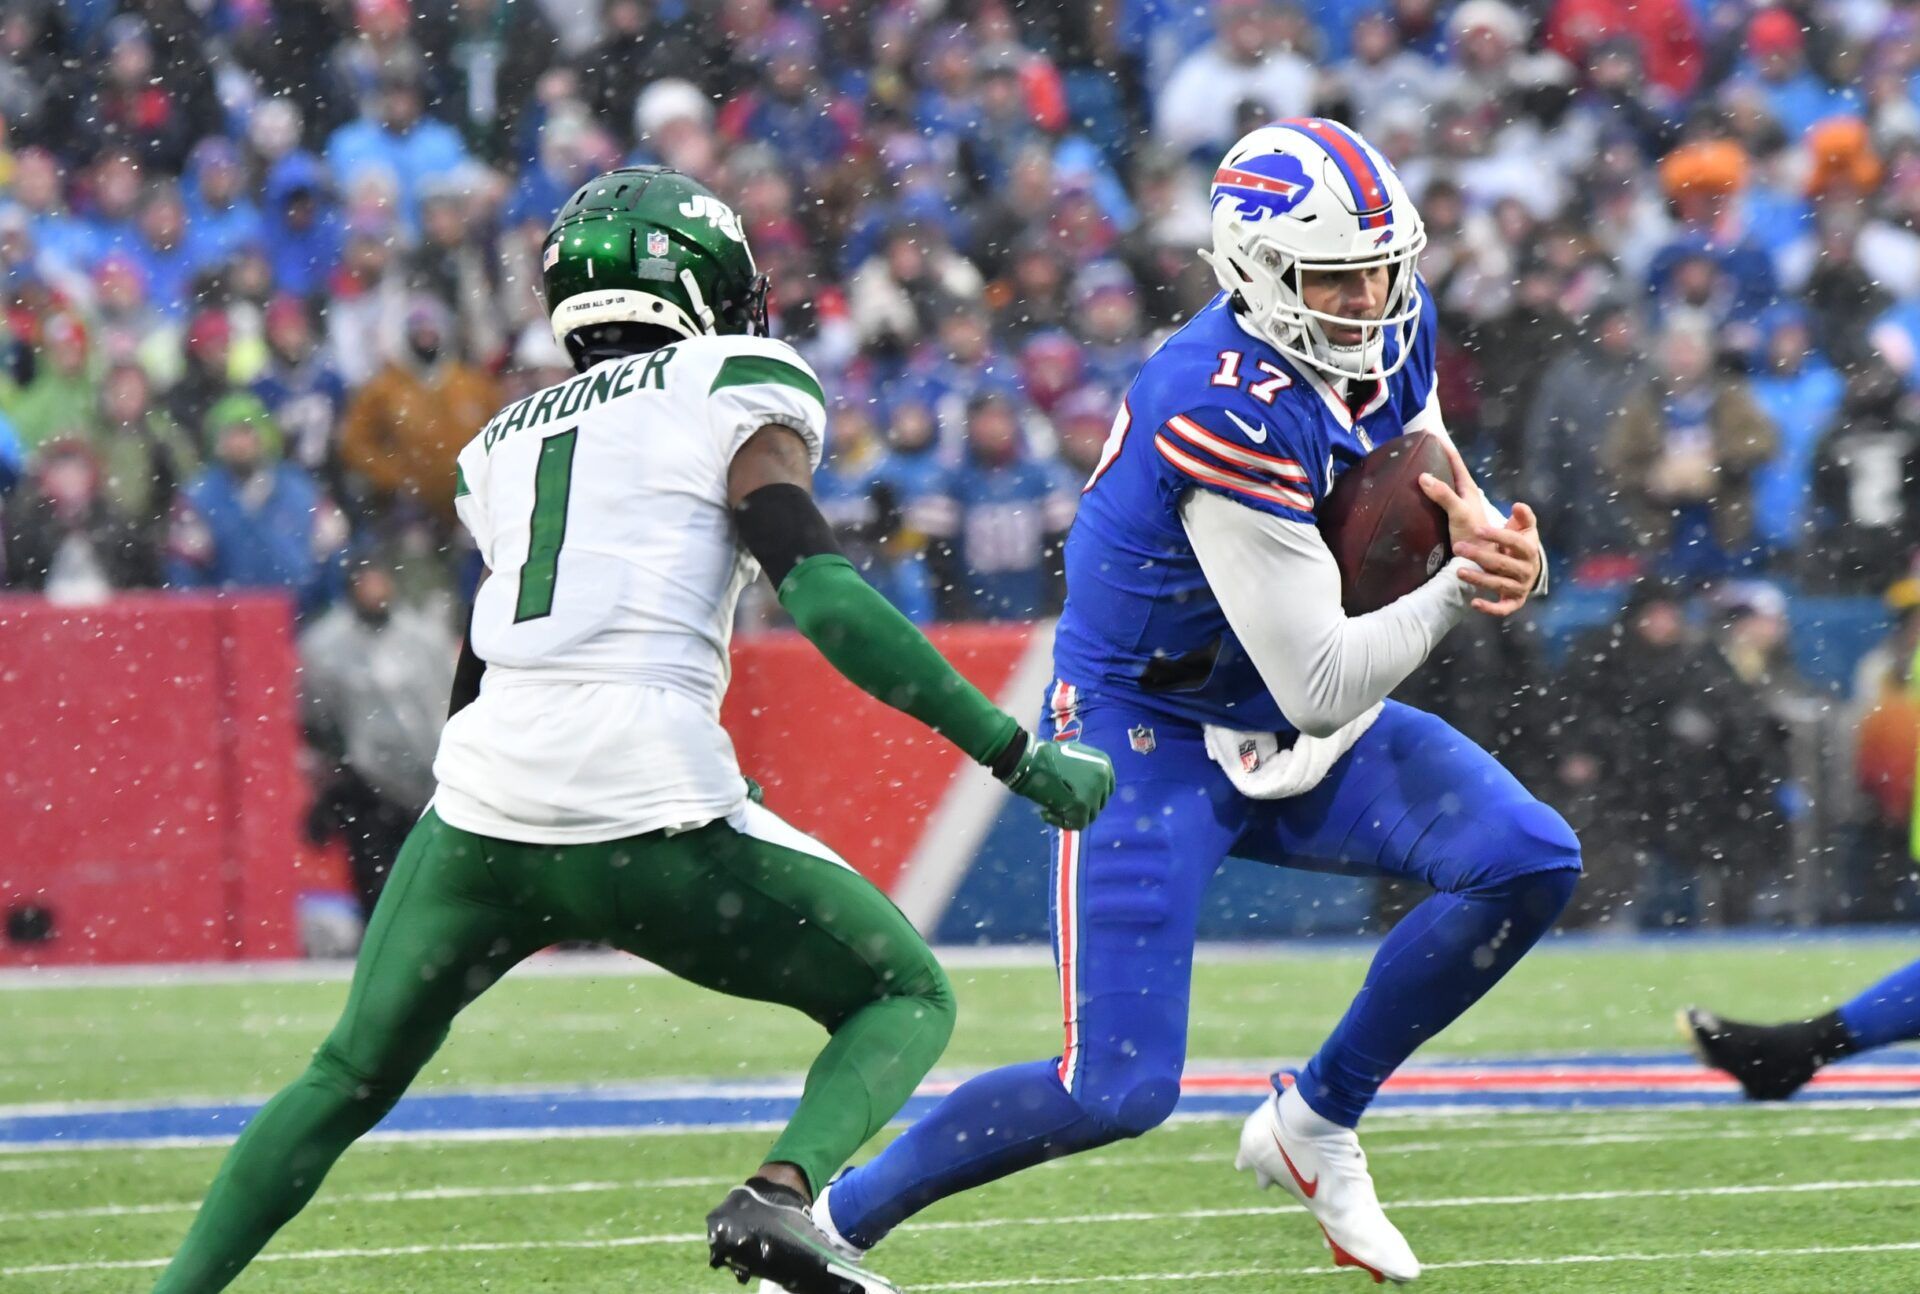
x,y
735,912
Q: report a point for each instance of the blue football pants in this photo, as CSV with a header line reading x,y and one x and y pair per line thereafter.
x,y
1412,799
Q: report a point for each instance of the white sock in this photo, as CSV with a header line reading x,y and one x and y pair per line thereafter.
x,y
1301,1117
823,1218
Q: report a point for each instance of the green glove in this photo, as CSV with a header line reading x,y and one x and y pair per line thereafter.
x,y
1069,780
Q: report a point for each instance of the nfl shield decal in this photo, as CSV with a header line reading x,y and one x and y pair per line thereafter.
x,y
1141,739
656,243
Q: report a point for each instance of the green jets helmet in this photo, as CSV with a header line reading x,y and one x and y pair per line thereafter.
x,y
650,245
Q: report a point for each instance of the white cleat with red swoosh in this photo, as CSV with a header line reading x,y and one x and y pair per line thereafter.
x,y
1322,1164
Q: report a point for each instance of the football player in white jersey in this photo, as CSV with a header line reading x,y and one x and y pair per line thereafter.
x,y
586,788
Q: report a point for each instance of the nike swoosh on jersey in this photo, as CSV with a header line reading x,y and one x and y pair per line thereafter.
x,y
1255,433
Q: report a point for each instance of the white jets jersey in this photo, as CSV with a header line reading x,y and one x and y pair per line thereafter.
x,y
600,507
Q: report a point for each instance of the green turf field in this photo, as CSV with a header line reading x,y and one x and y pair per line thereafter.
x,y
1802,1197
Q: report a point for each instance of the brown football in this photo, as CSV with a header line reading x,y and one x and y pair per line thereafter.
x,y
1387,536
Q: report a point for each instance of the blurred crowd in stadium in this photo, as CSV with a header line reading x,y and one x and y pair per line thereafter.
x,y
266,264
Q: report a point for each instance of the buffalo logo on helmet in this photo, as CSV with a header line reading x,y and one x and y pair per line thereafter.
x,y
1271,184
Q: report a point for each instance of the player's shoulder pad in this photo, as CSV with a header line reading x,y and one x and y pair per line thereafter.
x,y
761,361
1262,453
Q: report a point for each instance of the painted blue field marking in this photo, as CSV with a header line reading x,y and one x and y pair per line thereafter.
x,y
1537,1083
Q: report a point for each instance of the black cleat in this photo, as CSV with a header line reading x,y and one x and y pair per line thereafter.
x,y
765,1230
1770,1062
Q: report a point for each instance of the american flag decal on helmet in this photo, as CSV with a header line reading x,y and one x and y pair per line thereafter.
x,y
1271,184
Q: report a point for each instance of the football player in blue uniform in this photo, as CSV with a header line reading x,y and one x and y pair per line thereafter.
x,y
1203,643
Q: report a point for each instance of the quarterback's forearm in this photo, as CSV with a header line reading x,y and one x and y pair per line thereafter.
x,y
1280,588
860,633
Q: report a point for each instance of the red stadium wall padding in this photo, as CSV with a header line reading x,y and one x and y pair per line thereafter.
x,y
839,765
150,786
147,798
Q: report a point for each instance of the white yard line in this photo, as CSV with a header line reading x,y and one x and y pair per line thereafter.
x,y
1563,1260
432,1193
976,1224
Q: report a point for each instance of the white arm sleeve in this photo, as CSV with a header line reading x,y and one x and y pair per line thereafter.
x,y
1279,585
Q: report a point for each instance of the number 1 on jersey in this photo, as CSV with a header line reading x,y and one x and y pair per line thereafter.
x,y
552,483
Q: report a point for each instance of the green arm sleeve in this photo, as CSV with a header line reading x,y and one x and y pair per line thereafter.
x,y
884,655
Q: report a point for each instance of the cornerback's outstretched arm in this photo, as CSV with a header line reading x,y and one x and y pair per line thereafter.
x,y
769,488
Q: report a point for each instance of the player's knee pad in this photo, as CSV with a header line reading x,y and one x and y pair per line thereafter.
x,y
1131,1103
932,992
363,1085
1526,839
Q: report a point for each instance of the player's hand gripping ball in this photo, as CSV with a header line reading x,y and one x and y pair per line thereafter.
x,y
1069,780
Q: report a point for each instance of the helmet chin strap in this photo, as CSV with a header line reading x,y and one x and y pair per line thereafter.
x,y
701,310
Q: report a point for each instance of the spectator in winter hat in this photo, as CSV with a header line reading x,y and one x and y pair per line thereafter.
x,y
221,219
894,294
667,115
450,265
1382,71
274,129
1014,512
1107,316
367,302
638,48
162,251
1665,34
396,137
126,326
374,674
1799,391
300,386
1195,110
1703,181
144,455
405,426
572,148
1844,165
302,223
252,520
1004,125
58,403
1684,451
1051,365
57,230
65,539
791,109
134,106
117,185
1777,64
208,374
1083,420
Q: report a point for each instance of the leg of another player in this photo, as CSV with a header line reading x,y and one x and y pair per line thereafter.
x,y
769,914
1126,898
440,936
1772,1062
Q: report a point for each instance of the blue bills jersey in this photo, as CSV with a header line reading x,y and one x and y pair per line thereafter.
x,y
1214,408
